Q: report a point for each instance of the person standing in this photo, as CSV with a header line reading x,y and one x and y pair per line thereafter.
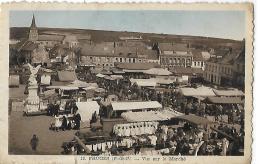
x,y
77,119
34,142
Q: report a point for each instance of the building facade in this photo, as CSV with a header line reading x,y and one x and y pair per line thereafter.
x,y
108,53
172,54
227,71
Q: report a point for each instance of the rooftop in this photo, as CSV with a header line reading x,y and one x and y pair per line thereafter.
x,y
173,46
47,37
26,45
137,66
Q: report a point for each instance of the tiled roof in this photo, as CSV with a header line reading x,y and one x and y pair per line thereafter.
x,y
173,47
59,50
26,45
136,66
46,37
186,71
108,49
197,55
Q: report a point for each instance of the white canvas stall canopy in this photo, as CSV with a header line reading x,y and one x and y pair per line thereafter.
x,y
91,86
78,83
63,87
162,80
230,93
150,115
127,106
116,77
67,75
45,79
144,82
87,109
157,71
201,92
100,75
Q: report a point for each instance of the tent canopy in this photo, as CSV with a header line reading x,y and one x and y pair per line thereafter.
x,y
87,109
194,119
233,92
150,115
116,77
158,71
144,82
201,91
224,100
45,79
100,75
63,87
91,86
67,75
78,83
121,106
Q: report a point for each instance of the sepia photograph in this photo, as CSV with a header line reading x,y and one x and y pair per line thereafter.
x,y
128,82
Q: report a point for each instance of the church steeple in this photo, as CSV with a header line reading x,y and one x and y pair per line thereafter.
x,y
33,33
33,25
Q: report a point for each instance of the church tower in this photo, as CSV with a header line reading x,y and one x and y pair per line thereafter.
x,y
33,33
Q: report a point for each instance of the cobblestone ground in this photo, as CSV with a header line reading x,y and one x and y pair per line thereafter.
x,y
22,128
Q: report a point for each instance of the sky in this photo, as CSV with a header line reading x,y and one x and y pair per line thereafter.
x,y
219,24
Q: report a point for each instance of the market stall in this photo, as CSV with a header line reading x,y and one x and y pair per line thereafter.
x,y
86,111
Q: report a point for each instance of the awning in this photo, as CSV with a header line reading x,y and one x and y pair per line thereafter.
x,y
45,79
194,119
50,94
87,109
107,77
224,100
78,83
100,75
67,76
144,82
116,77
233,92
63,87
201,91
100,90
157,71
121,106
91,86
150,115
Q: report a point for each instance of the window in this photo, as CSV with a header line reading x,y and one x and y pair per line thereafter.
x,y
195,63
183,62
163,61
174,60
133,60
120,59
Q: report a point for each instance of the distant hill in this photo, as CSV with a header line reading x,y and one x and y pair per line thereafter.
x,y
100,35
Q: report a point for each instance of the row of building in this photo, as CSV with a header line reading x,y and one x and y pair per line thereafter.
x,y
220,66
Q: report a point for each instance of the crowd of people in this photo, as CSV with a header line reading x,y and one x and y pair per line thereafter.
x,y
70,119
